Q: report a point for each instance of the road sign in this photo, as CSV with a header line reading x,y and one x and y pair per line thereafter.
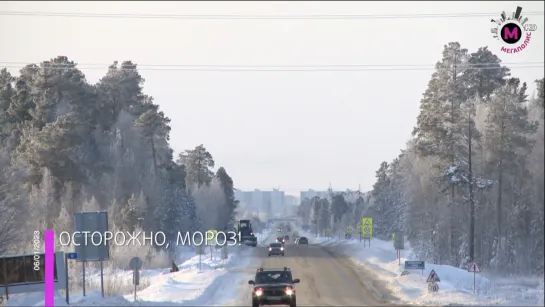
x,y
199,249
135,264
433,287
91,222
72,255
415,265
399,242
433,277
473,267
367,230
211,241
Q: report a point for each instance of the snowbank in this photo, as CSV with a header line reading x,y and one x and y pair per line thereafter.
x,y
191,285
456,285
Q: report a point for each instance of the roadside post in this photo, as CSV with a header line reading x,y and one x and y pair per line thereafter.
x,y
200,252
360,230
432,281
66,257
224,252
211,241
135,264
473,267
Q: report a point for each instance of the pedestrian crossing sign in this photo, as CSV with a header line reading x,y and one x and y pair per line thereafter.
x,y
367,229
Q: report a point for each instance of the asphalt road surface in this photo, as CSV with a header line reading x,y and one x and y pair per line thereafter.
x,y
327,278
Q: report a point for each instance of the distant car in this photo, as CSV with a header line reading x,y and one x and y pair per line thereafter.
x,y
280,239
302,240
273,287
287,237
276,249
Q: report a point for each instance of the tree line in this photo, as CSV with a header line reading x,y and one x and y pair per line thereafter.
x,y
333,215
469,183
68,146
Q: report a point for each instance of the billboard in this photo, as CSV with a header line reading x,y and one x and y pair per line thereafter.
x,y
26,273
91,222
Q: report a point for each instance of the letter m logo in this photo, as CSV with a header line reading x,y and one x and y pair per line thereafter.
x,y
510,33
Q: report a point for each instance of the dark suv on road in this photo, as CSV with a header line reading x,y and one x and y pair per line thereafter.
x,y
281,240
302,240
276,249
273,287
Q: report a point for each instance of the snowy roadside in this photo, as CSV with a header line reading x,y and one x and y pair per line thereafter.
x,y
456,286
189,285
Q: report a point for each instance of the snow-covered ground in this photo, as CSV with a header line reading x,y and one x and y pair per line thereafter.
x,y
190,286
455,287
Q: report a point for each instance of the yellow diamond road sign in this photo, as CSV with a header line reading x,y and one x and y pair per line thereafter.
x,y
367,229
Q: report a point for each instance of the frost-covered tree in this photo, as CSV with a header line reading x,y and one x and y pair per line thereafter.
x,y
468,185
509,142
134,212
198,164
231,202
68,146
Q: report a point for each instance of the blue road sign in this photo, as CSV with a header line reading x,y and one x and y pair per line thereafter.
x,y
72,255
415,265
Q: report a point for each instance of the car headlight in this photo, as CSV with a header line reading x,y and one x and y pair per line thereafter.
x,y
258,292
289,291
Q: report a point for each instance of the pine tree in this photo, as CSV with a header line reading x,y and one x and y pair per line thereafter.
x,y
484,74
540,101
170,213
198,163
190,213
324,216
381,197
508,132
226,183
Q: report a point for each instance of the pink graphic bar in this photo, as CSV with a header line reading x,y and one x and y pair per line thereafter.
x,y
49,290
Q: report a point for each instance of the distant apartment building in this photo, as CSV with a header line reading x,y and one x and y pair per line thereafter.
x,y
290,200
269,202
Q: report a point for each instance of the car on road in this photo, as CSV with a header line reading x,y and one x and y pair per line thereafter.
x,y
273,287
276,249
302,240
287,237
280,239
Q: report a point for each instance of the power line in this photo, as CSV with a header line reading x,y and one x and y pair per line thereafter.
x,y
477,65
279,70
236,16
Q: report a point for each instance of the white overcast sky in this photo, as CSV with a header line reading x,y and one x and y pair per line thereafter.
x,y
293,130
